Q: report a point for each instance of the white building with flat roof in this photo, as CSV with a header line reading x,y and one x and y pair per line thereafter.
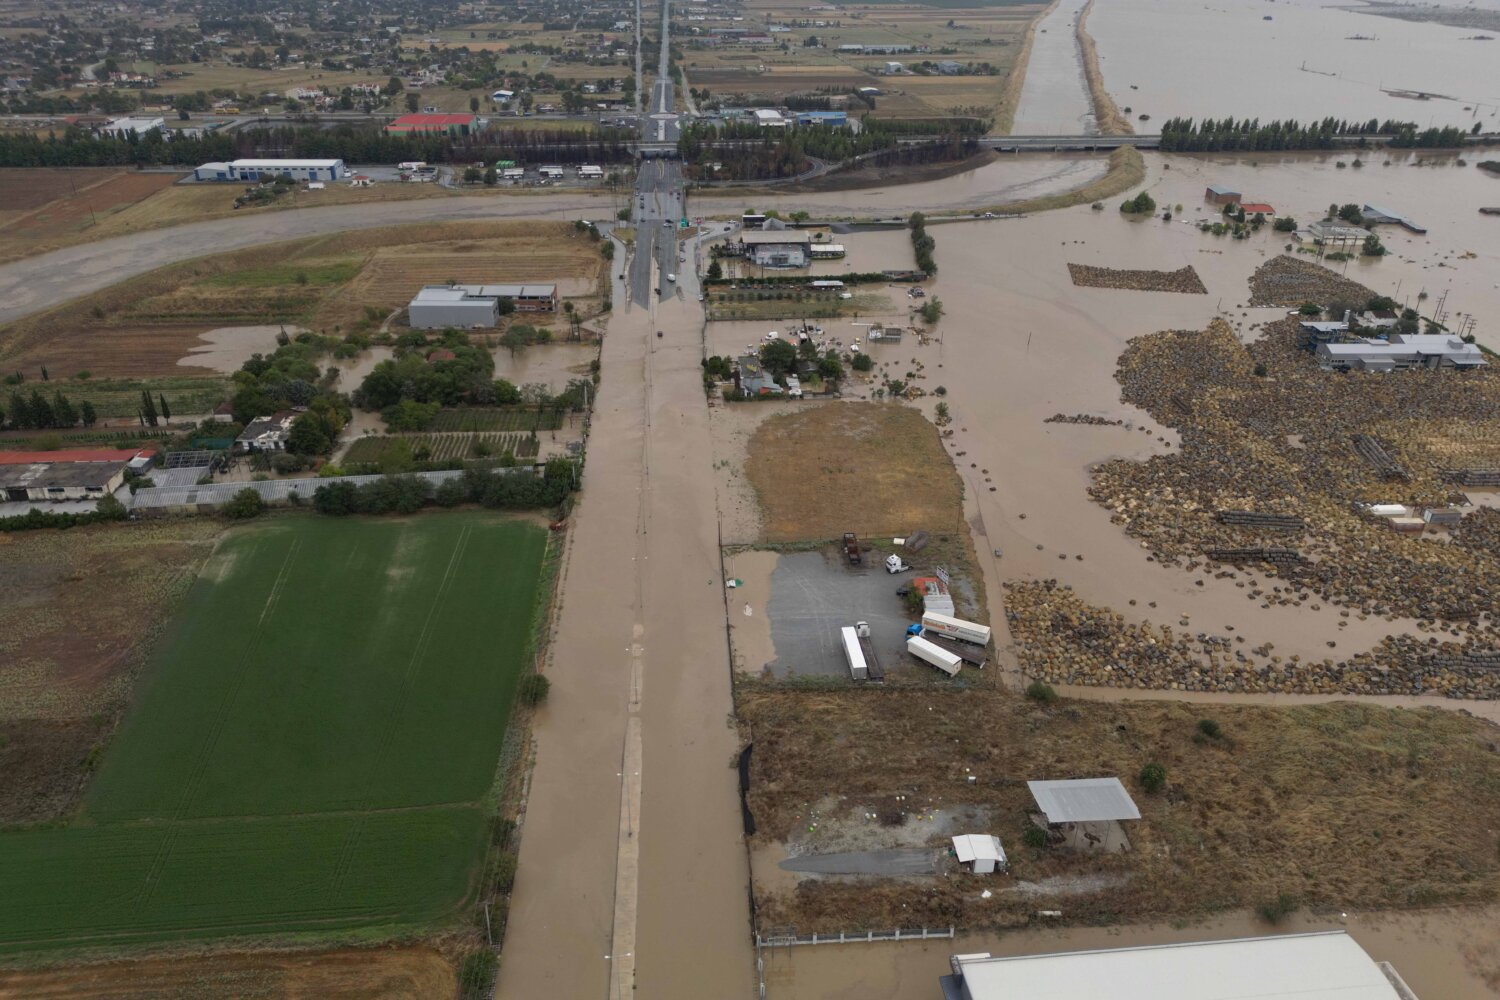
x,y
1321,966
777,247
122,127
260,170
769,118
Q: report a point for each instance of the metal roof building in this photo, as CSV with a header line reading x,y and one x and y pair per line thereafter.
x,y
1374,213
469,306
1083,800
1321,966
1403,350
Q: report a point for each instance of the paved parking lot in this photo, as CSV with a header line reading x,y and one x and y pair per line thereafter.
x,y
813,594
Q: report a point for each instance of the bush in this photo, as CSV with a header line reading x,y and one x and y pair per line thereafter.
x,y
501,830
1278,909
450,493
1034,837
1210,728
1310,309
1285,224
533,689
476,974
245,504
503,872
1141,204
1153,777
1041,691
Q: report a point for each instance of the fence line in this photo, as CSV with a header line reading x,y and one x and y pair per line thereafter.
x,y
856,937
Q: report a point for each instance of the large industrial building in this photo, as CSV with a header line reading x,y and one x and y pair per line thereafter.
x,y
1403,350
1321,966
264,170
474,306
70,474
772,248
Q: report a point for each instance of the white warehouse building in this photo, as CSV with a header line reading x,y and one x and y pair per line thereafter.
x,y
1316,966
260,170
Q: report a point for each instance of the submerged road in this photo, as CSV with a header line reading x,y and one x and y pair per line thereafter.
x,y
634,880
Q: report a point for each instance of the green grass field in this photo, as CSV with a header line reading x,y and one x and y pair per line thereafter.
x,y
498,418
310,746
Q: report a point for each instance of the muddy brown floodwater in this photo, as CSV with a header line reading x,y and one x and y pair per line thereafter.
x,y
637,879
1296,59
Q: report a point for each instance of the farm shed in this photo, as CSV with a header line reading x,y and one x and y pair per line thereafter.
x,y
1084,813
1328,965
68,474
980,851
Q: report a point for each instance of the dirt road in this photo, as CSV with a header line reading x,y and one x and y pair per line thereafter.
x,y
633,872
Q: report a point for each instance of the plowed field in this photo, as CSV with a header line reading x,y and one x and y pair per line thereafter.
x,y
350,974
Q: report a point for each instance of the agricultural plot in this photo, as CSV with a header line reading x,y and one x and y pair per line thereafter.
x,y
42,205
310,747
186,395
495,419
401,451
146,326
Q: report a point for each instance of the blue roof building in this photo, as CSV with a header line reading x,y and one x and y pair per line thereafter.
x,y
833,119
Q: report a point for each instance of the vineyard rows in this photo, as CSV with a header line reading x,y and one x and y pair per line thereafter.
x,y
496,419
399,450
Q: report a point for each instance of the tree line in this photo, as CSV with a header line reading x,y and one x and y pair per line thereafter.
x,y
1188,135
353,144
922,244
507,490
35,412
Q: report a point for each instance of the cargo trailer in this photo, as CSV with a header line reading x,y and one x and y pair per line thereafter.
x,y
956,628
933,655
854,655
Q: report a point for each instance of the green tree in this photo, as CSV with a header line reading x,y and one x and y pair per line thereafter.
x,y
412,102
245,504
778,356
491,177
862,362
1153,777
166,411
1373,247
62,411
148,408
533,689
474,105
715,271
394,86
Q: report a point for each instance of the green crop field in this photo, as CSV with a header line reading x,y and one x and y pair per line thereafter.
x,y
310,747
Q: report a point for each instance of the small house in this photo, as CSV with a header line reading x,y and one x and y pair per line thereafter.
x,y
266,433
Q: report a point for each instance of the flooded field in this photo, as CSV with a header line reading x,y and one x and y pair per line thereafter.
x,y
1445,954
1300,59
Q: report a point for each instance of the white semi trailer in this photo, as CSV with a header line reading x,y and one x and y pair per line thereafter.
x,y
956,628
858,668
933,655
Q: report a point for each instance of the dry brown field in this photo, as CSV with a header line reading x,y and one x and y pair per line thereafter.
x,y
78,610
43,207
401,973
1334,805
145,326
849,466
